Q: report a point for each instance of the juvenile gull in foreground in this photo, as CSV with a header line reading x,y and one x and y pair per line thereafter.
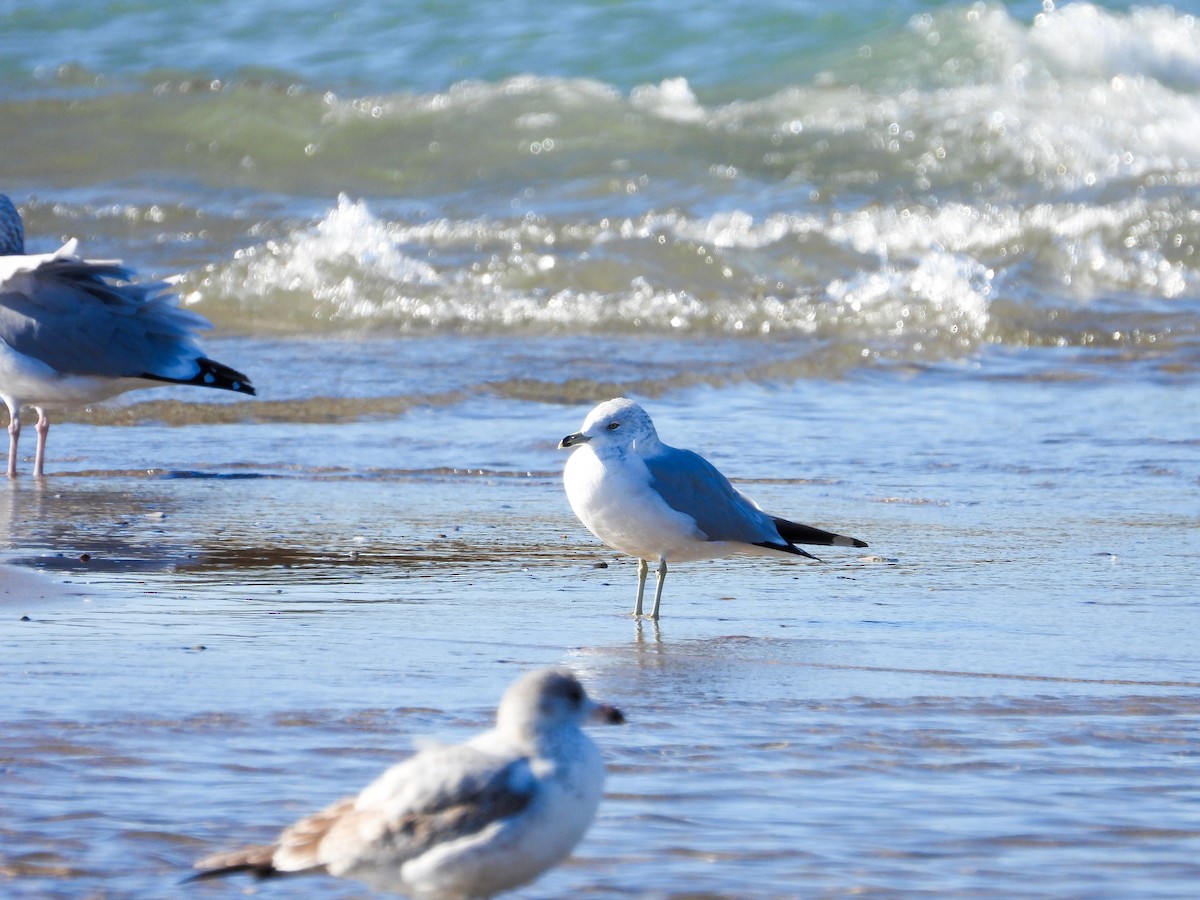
x,y
655,502
77,331
460,821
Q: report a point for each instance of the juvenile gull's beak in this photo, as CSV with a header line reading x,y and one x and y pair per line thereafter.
x,y
572,439
607,715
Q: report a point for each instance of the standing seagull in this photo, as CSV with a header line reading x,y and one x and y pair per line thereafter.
x,y
655,502
460,821
77,331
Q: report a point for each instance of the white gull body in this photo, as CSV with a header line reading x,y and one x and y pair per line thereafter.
x,y
659,503
460,821
75,331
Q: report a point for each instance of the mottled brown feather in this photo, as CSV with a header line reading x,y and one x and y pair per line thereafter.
x,y
357,834
299,847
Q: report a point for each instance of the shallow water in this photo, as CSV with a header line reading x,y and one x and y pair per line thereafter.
x,y
1003,682
924,275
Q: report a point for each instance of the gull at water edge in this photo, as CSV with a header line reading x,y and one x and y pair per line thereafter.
x,y
463,820
659,503
75,331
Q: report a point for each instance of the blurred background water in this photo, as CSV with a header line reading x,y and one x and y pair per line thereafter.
x,y
925,273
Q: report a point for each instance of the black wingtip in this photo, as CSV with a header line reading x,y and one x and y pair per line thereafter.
x,y
795,533
789,548
212,374
259,871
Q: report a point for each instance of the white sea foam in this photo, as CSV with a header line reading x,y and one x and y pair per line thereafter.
x,y
1085,248
924,274
331,271
671,99
1150,42
1075,99
944,297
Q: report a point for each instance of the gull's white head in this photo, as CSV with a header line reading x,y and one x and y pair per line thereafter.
x,y
618,424
12,229
547,700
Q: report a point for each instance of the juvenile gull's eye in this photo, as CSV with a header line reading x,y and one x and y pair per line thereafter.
x,y
613,426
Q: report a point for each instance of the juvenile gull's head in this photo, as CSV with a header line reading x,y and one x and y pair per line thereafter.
x,y
548,700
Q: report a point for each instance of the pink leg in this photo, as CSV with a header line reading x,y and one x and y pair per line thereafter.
x,y
14,433
42,428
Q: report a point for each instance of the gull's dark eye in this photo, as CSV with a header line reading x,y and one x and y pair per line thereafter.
x,y
575,694
613,426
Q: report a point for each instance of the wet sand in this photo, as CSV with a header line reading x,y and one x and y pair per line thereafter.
x,y
1002,683
20,588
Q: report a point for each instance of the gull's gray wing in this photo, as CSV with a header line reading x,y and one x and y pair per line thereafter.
x,y
12,229
439,795
88,318
690,484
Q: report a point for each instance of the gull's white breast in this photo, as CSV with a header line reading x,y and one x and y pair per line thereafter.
x,y
613,498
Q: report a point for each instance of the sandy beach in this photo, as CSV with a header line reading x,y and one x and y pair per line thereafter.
x,y
20,588
1004,670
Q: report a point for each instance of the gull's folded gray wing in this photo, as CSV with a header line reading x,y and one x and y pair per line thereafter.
x,y
83,318
692,485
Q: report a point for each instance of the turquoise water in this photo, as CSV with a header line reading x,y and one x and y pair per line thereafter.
x,y
926,274
878,183
737,46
